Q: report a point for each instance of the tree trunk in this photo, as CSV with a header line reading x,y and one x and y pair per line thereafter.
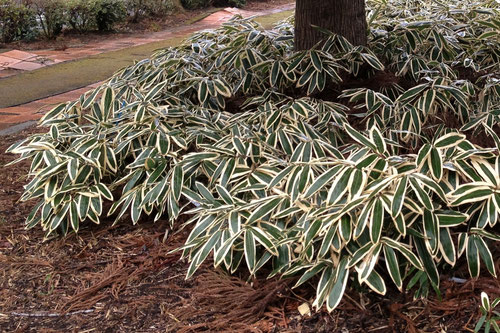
x,y
343,17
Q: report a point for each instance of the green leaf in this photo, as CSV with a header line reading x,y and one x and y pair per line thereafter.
x,y
345,228
427,260
472,196
361,254
485,254
321,181
449,140
373,61
224,194
412,93
265,239
405,251
399,196
274,74
316,61
281,175
104,191
431,231
338,289
327,241
339,186
355,135
392,264
363,219
222,88
74,219
250,250
107,102
203,92
83,206
306,77
449,218
311,232
265,209
163,143
177,181
224,249
308,274
377,221
422,196
446,246
378,139
376,283
423,154
472,257
436,164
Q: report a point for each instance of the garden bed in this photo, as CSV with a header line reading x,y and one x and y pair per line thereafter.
x,y
123,278
349,168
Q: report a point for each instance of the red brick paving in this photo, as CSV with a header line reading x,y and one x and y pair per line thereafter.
x,y
35,110
26,66
20,55
7,61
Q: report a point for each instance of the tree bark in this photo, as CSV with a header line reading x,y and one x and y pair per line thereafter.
x,y
343,17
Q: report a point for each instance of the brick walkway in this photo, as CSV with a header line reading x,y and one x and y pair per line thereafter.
x,y
36,109
14,62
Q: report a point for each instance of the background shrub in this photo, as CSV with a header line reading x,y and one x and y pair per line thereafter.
x,y
51,16
16,22
81,14
109,12
196,4
148,8
230,3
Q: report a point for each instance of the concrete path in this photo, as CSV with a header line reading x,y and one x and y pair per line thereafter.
x,y
26,96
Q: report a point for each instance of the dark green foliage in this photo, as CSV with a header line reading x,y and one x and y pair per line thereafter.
x,y
81,14
109,12
230,3
16,22
196,4
148,8
51,15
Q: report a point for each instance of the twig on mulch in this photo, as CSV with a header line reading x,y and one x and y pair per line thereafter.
x,y
114,273
45,314
232,303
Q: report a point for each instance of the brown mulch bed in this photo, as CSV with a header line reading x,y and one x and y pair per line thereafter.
x,y
124,279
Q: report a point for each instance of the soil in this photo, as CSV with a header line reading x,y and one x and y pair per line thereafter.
x,y
74,39
124,278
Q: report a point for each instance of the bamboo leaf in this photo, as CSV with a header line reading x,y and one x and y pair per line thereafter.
x,y
392,264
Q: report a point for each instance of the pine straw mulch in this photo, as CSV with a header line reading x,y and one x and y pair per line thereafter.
x,y
124,279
